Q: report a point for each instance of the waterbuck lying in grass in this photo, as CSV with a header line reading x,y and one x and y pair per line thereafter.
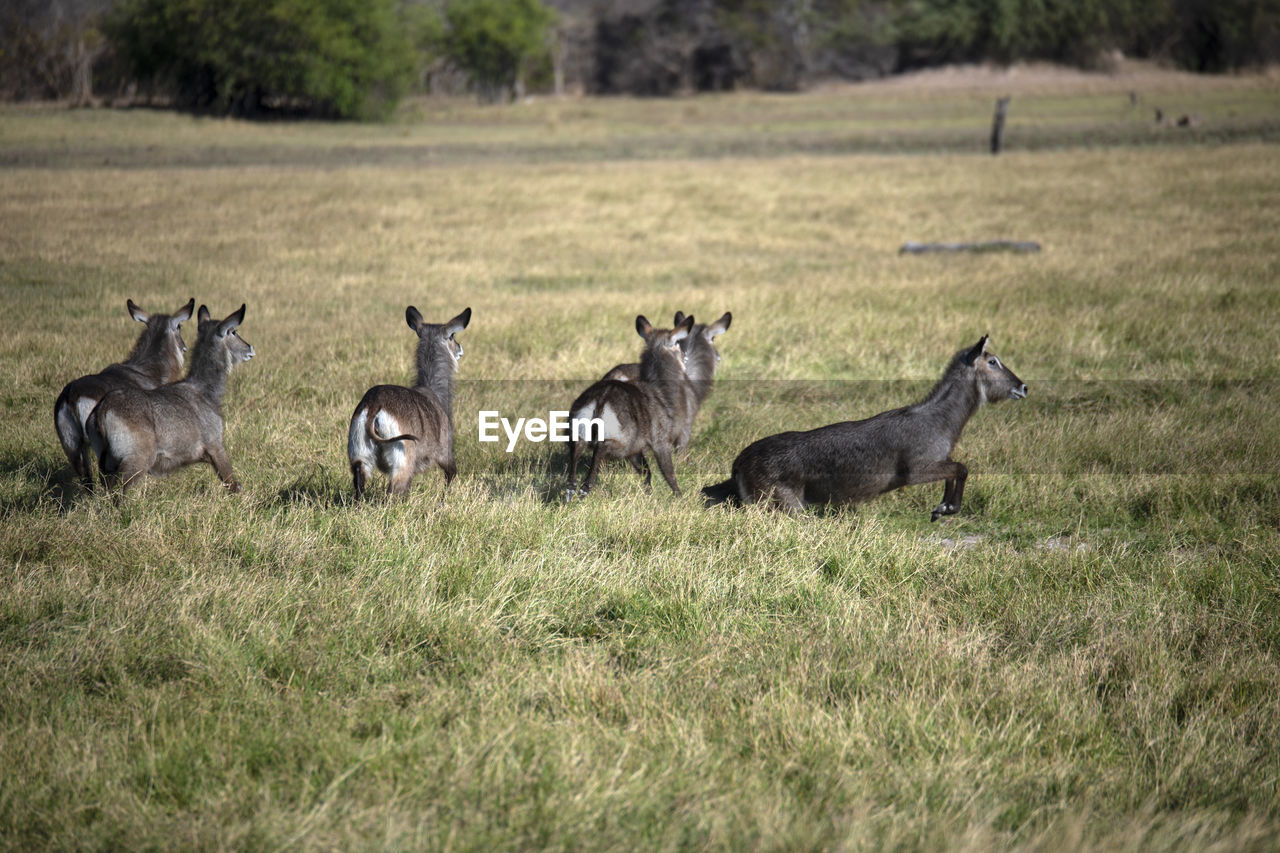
x,y
155,360
855,461
401,431
647,414
137,432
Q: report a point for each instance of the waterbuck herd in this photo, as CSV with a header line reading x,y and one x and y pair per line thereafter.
x,y
140,418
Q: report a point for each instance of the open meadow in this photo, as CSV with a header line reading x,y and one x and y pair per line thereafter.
x,y
1087,656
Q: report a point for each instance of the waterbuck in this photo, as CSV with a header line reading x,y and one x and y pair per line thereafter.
x,y
701,358
855,461
155,360
402,431
137,432
647,414
700,362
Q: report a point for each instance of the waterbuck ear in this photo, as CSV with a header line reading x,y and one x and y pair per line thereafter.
x,y
457,324
228,325
679,318
976,351
414,318
643,327
203,315
135,312
719,327
183,315
682,330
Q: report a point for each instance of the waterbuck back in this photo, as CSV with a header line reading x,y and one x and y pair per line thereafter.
x,y
854,461
402,431
136,432
156,359
634,416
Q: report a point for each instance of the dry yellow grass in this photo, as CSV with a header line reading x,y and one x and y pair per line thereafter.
x,y
1084,658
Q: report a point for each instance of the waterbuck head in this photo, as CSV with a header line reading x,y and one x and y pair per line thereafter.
x,y
992,379
218,343
436,343
161,342
701,358
662,359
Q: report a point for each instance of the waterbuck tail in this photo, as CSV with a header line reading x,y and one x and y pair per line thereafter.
x,y
383,428
726,492
101,444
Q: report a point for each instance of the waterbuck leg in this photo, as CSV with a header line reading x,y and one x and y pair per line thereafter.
x,y
663,455
358,477
641,466
401,480
954,473
571,483
450,469
221,463
788,500
589,483
82,465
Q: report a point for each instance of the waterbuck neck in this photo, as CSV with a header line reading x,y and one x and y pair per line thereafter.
x,y
210,364
153,354
954,399
700,366
664,368
436,368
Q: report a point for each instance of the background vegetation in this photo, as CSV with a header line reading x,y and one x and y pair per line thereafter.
x,y
1085,658
338,58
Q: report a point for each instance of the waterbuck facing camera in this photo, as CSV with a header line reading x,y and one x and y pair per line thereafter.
x,y
402,431
855,461
156,359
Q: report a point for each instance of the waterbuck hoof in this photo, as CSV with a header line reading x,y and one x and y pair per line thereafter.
x,y
941,510
233,487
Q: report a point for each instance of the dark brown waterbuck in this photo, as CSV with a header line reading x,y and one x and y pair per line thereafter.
x,y
156,359
855,461
136,432
402,431
634,416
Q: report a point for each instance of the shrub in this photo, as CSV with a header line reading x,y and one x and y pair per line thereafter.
x,y
332,58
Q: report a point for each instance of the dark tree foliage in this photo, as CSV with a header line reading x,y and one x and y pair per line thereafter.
x,y
676,45
1222,35
48,48
499,43
329,58
668,45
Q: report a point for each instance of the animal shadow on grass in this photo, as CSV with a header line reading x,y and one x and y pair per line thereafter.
x,y
43,479
513,475
317,487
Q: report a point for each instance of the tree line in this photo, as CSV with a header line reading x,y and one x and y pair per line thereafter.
x,y
358,58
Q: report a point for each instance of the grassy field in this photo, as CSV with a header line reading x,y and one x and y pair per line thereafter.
x,y
1085,657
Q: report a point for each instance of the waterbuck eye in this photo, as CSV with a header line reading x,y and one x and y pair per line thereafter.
x,y
994,362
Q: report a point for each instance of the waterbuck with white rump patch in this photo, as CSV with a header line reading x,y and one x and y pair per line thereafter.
x,y
854,461
137,432
156,359
701,358
402,431
647,414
